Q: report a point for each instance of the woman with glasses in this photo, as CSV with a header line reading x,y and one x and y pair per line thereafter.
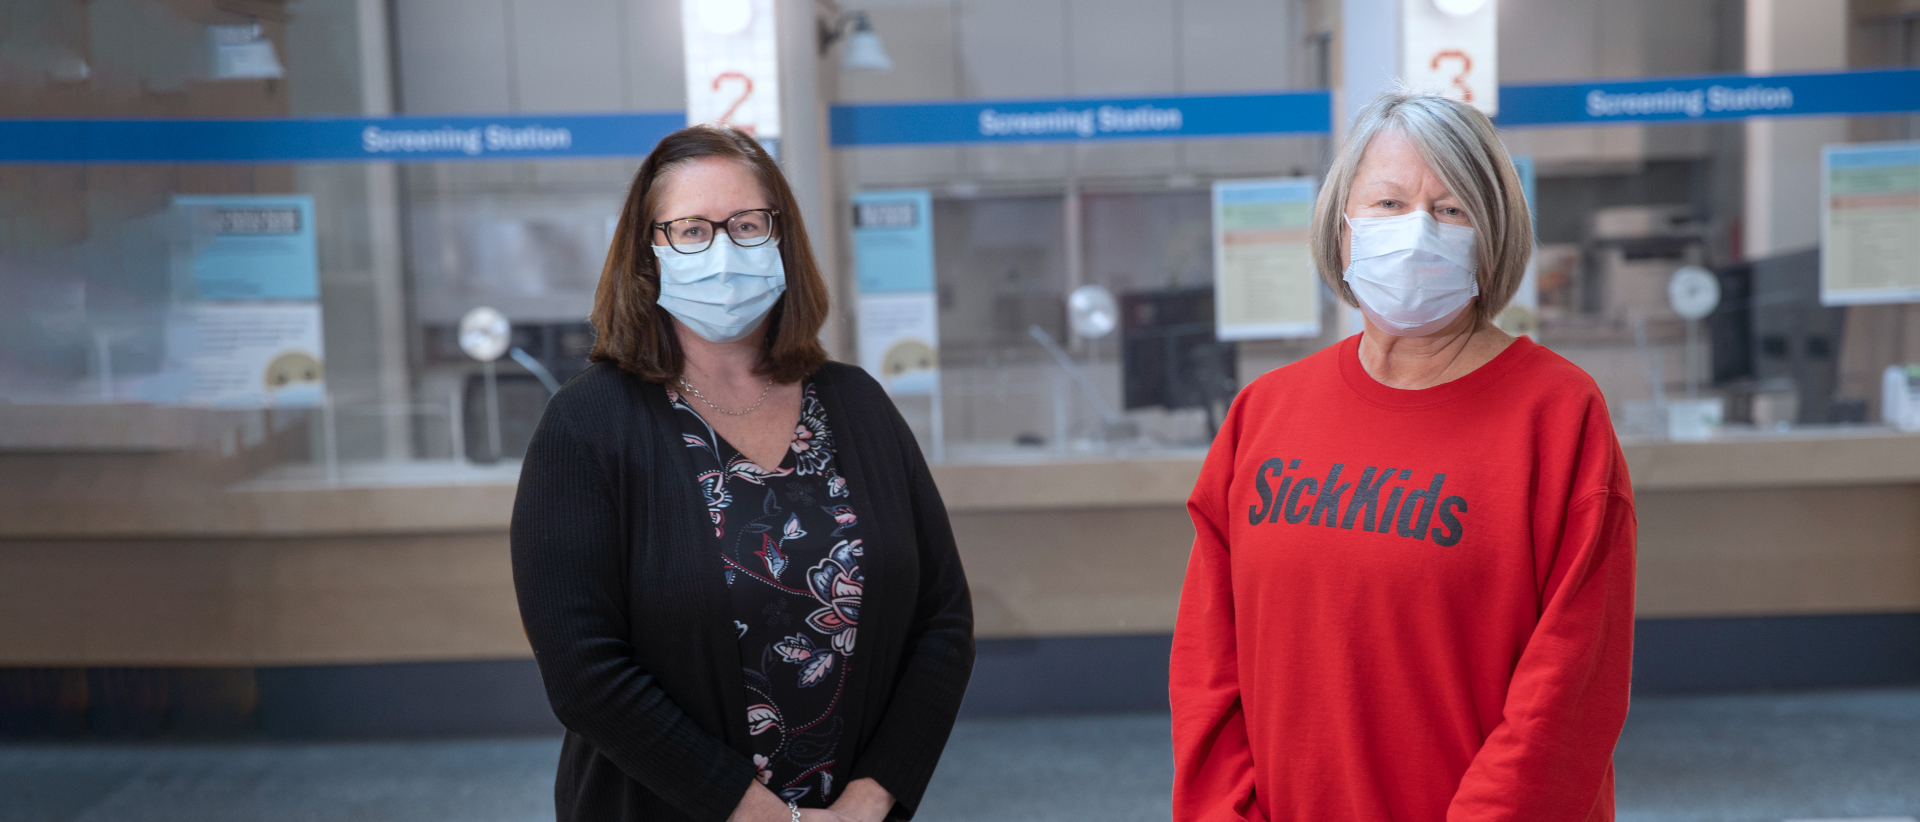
x,y
732,563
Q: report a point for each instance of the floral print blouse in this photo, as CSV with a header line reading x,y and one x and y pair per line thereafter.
x,y
791,546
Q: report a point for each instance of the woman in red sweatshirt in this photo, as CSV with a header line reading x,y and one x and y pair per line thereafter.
x,y
1410,595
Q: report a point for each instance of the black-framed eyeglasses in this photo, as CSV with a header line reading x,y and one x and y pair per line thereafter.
x,y
692,235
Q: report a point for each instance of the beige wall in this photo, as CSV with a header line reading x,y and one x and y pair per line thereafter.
x,y
1721,552
222,601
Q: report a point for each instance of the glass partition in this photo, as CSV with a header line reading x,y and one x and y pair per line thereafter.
x,y
1769,358
173,304
291,323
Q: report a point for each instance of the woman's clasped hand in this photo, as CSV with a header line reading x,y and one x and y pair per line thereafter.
x,y
863,800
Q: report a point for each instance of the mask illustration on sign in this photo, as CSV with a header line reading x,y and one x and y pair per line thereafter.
x,y
723,292
1412,274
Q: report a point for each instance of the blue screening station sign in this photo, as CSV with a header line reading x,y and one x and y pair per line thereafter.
x,y
508,137
873,125
1711,97
336,140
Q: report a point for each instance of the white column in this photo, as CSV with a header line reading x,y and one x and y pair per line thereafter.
x,y
1783,156
1369,41
383,240
1369,38
808,85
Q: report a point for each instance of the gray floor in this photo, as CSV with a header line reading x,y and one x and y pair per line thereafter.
x,y
1696,759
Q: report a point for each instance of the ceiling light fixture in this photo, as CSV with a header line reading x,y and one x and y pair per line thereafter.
x,y
726,16
1459,8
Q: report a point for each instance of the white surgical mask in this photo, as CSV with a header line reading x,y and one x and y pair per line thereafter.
x,y
721,293
1412,274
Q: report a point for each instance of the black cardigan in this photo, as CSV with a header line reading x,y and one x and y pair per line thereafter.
x,y
622,592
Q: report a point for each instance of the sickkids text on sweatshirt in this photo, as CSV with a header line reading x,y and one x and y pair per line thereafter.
x,y
1290,496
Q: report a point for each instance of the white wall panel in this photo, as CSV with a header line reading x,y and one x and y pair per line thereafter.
x,y
1013,48
1552,40
1255,157
1619,32
1237,45
566,54
1039,162
655,70
453,56
323,58
477,56
1680,37
1547,40
1122,47
1125,159
1130,48
922,41
975,49
1783,178
901,167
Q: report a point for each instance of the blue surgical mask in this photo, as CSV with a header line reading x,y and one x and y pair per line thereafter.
x,y
724,292
1411,274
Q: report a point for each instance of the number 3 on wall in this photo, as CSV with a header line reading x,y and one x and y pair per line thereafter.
x,y
746,91
1459,80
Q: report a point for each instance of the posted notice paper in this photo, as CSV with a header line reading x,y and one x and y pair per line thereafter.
x,y
1265,286
1870,224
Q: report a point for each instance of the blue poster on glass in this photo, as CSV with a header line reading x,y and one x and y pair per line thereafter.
x,y
893,241
893,264
246,332
250,247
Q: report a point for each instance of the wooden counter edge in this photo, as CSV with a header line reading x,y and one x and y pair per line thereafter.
x,y
1788,461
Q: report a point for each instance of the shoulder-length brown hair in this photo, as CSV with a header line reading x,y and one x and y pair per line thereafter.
x,y
635,333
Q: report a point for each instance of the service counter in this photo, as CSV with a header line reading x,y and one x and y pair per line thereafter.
x,y
409,562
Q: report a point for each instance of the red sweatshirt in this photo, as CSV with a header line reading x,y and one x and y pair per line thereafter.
x,y
1406,605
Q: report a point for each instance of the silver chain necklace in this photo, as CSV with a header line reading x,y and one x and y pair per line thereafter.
x,y
715,406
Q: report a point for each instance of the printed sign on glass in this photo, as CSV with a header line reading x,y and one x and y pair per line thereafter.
x,y
246,332
1870,224
1265,286
250,354
899,312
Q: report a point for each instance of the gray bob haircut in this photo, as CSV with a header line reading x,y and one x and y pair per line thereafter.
x,y
1459,144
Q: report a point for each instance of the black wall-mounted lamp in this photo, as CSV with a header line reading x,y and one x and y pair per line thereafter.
x,y
864,52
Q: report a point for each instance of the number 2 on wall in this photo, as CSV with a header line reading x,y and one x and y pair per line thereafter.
x,y
1459,80
746,91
